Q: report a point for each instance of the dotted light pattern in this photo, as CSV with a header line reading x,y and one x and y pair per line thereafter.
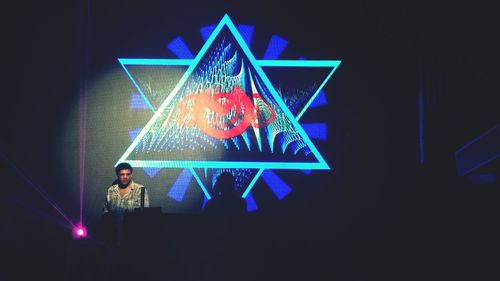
x,y
220,72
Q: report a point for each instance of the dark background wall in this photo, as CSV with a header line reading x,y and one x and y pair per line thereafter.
x,y
381,214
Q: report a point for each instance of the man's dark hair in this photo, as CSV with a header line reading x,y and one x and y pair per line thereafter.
x,y
123,166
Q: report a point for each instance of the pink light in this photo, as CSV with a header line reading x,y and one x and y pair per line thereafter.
x,y
79,232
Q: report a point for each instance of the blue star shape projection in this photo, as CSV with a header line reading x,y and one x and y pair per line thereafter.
x,y
224,114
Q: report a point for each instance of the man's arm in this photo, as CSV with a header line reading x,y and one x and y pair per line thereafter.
x,y
105,209
146,198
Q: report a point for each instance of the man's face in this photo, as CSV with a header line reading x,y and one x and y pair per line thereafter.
x,y
124,177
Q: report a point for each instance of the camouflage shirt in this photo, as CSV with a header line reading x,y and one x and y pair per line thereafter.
x,y
117,204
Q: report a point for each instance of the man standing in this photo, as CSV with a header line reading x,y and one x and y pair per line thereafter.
x,y
125,194
122,197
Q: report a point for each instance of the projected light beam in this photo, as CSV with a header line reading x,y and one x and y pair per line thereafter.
x,y
37,188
